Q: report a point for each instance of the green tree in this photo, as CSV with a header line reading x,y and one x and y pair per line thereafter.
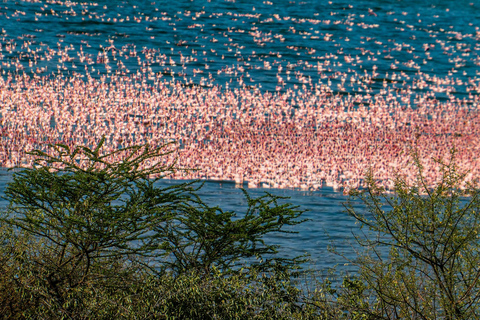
x,y
89,217
203,238
422,257
84,224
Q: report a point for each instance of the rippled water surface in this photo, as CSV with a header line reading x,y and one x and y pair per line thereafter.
x,y
272,46
328,221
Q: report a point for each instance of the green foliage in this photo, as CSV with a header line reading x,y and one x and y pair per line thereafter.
x,y
423,253
86,213
92,235
192,296
202,237
186,296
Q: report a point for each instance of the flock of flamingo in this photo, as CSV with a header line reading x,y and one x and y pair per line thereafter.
x,y
326,120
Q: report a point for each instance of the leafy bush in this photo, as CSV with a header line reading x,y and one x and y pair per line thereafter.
x,y
422,257
87,231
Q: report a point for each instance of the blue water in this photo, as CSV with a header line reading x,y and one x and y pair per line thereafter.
x,y
308,40
251,44
327,220
325,210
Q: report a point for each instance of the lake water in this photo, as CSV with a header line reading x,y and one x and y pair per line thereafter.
x,y
328,221
250,43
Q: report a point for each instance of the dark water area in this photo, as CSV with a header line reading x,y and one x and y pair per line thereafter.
x,y
269,46
327,220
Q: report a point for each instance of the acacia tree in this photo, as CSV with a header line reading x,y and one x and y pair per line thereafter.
x,y
423,253
203,238
87,215
95,221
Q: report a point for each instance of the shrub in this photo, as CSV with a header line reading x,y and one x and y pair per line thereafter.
x,y
422,257
87,232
